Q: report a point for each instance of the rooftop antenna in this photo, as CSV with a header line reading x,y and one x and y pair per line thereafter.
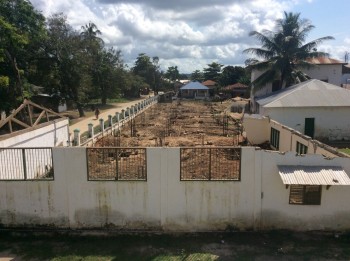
x,y
346,57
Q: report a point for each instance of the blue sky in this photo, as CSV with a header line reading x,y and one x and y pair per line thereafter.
x,y
330,17
193,33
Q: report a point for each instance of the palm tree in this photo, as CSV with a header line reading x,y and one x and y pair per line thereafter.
x,y
90,30
284,51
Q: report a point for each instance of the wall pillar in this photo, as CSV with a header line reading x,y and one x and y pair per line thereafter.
x,y
102,125
76,141
123,114
91,130
110,121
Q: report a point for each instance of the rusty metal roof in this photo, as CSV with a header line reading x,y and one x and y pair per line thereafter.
x,y
324,60
209,83
235,86
313,175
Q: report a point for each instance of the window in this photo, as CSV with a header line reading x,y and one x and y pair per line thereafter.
x,y
275,138
301,148
204,164
305,195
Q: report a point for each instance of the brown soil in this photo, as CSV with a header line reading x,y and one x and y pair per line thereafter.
x,y
185,124
179,124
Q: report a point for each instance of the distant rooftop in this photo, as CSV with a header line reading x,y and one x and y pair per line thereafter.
x,y
235,86
324,60
209,83
194,86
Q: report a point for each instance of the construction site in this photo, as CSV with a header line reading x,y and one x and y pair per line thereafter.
x,y
120,154
179,124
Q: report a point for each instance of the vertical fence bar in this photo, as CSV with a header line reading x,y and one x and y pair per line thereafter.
x,y
24,164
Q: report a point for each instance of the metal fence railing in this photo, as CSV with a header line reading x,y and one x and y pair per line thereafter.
x,y
26,164
203,163
129,164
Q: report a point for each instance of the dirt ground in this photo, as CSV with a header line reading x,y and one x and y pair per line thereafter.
x,y
180,124
271,245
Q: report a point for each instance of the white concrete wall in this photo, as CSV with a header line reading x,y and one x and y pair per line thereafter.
x,y
54,133
258,130
331,214
331,123
163,202
332,73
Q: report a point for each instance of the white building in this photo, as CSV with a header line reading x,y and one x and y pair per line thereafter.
x,y
322,68
315,108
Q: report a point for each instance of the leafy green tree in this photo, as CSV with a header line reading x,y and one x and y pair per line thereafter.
x,y
284,51
70,72
22,30
197,75
132,84
231,74
172,73
108,73
148,69
213,71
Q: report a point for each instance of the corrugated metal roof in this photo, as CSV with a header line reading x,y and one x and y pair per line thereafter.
x,y
194,86
311,93
313,175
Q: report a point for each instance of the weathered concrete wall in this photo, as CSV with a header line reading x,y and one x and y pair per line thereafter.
x,y
333,212
51,134
258,130
330,123
163,202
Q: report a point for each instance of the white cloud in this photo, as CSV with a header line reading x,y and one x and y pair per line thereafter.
x,y
186,33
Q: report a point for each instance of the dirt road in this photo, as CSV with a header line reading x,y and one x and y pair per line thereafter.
x,y
82,125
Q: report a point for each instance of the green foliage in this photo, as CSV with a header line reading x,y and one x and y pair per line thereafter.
x,y
197,75
4,82
212,72
172,73
231,75
148,69
284,51
22,30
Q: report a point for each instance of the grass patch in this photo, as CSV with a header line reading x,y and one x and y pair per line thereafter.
x,y
114,100
346,150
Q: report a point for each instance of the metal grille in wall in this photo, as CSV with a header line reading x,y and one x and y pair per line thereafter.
x,y
210,164
26,164
117,164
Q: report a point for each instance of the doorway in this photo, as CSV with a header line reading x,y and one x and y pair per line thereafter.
x,y
309,127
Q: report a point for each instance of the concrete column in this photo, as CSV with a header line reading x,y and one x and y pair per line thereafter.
x,y
117,115
76,141
132,111
110,121
102,125
127,113
123,114
91,130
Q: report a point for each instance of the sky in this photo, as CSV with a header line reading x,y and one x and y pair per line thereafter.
x,y
191,34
